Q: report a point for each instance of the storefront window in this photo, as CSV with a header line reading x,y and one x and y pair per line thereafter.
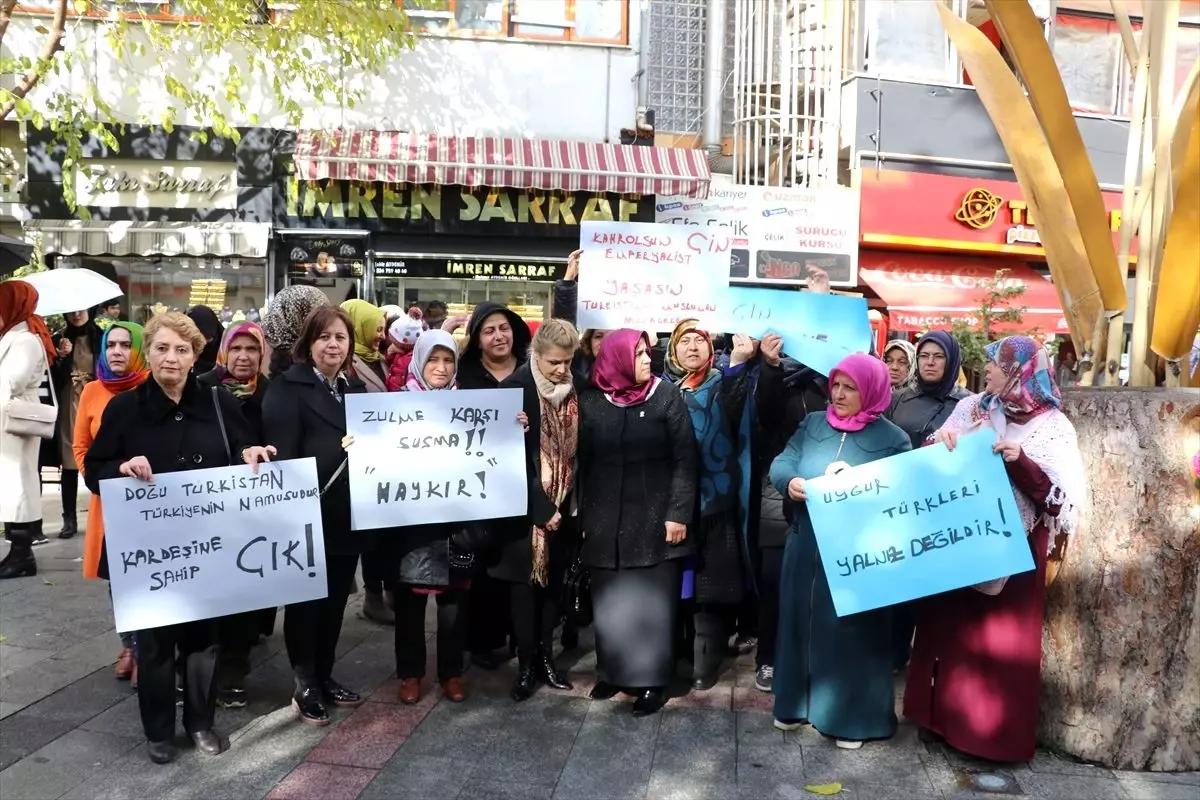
x,y
1187,50
1088,53
907,40
234,288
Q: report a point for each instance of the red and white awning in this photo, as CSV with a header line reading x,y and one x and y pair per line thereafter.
x,y
545,164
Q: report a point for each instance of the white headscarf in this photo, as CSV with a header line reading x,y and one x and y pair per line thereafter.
x,y
420,356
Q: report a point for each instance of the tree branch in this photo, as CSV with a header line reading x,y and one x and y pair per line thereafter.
x,y
6,10
49,50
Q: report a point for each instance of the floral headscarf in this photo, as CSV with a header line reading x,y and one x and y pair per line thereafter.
x,y
366,319
689,380
137,371
911,353
1030,389
238,388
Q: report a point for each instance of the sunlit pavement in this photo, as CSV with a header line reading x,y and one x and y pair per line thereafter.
x,y
69,729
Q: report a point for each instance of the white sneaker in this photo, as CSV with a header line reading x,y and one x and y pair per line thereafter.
x,y
847,744
789,726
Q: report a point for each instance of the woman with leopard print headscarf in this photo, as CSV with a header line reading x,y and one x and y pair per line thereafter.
x,y
285,317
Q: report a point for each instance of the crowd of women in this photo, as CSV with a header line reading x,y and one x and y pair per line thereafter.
x,y
680,494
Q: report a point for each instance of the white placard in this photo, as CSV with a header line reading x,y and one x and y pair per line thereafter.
x,y
778,234
442,456
210,542
123,182
648,277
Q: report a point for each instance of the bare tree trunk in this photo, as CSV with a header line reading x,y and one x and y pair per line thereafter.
x,y
1121,663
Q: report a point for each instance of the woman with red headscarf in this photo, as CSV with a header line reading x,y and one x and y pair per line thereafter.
x,y
637,480
833,672
26,351
975,673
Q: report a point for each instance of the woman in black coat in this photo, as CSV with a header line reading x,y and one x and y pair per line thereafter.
x,y
238,371
919,410
497,344
637,483
535,548
170,424
78,345
304,416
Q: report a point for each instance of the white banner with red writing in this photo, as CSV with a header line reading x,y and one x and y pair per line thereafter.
x,y
778,235
648,276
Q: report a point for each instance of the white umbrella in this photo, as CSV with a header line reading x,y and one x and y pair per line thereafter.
x,y
61,291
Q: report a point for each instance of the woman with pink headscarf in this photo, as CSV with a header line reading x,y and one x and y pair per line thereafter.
x,y
833,672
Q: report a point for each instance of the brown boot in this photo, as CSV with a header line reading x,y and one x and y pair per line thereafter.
x,y
454,690
410,691
125,665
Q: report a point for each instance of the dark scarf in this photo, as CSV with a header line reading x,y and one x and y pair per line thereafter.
x,y
949,345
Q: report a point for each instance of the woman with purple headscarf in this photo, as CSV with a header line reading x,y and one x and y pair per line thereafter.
x,y
637,480
835,673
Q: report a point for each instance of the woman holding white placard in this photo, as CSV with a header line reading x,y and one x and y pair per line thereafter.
x,y
171,424
304,415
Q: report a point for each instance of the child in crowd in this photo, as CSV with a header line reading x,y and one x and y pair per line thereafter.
x,y
402,336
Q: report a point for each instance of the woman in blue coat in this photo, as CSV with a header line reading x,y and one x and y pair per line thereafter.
x,y
833,672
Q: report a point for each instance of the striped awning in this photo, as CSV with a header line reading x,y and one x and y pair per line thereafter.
x,y
545,164
93,237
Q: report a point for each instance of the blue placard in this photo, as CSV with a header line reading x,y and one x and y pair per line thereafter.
x,y
917,524
818,330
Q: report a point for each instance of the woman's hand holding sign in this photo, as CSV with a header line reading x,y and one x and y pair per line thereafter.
x,y
949,438
254,455
1009,451
797,490
137,467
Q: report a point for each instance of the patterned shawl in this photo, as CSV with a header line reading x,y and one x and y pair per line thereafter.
x,y
558,440
236,387
1030,389
136,371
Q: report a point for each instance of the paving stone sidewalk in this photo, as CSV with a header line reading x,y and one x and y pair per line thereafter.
x,y
68,729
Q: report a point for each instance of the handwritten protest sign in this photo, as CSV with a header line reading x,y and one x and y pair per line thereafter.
x,y
779,234
917,524
425,457
648,277
819,330
211,542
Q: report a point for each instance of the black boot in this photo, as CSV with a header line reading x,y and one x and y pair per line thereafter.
x,y
20,562
549,673
526,681
70,527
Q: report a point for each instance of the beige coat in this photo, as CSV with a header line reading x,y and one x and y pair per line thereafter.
x,y
22,367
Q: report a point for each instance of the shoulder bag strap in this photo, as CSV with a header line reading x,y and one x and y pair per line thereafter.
x,y
221,422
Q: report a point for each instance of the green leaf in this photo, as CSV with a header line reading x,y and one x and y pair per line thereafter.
x,y
824,788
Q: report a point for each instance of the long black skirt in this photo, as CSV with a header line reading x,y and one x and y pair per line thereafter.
x,y
635,624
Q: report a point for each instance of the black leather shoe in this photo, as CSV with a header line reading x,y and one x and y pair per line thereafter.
x,y
307,703
209,742
549,674
19,564
649,702
161,752
603,691
486,660
339,695
704,683
525,684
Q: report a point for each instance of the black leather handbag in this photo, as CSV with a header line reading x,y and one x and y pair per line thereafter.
x,y
577,595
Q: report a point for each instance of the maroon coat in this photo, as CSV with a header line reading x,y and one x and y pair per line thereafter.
x,y
976,664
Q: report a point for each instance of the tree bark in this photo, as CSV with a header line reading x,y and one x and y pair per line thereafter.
x,y
1121,661
53,44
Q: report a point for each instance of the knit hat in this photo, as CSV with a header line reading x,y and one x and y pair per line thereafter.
x,y
407,329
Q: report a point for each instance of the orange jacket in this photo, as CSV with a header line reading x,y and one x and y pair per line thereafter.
x,y
87,422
